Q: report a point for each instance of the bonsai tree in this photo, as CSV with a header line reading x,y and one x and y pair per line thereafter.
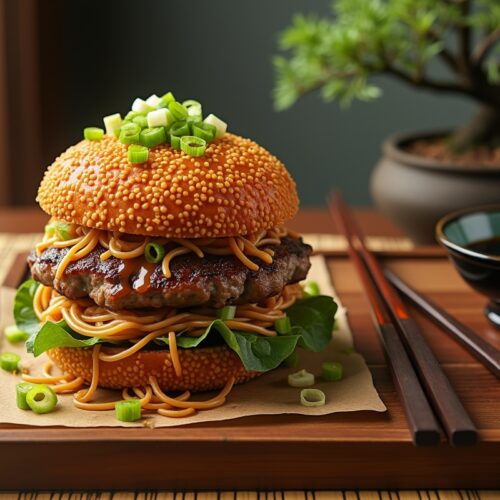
x,y
339,54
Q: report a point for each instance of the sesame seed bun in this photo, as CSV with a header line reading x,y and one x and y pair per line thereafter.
x,y
235,188
203,369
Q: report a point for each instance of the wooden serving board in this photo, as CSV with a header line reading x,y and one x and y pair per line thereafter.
x,y
364,450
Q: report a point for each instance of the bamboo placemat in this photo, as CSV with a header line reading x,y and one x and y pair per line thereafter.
x,y
263,495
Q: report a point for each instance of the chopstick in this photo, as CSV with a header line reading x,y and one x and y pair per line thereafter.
x,y
482,350
421,421
458,426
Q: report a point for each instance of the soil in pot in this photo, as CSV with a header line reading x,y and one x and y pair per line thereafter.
x,y
437,149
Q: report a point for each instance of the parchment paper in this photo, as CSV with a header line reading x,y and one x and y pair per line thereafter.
x,y
266,395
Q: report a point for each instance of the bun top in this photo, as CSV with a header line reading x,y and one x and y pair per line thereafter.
x,y
235,188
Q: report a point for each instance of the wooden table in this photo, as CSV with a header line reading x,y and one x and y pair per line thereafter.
x,y
365,450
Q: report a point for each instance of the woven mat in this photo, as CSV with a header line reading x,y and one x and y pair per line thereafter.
x,y
264,495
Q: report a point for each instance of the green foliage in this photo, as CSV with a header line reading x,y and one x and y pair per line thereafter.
x,y
363,38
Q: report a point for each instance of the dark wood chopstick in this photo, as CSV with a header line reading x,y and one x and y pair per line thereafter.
x,y
487,354
458,426
421,421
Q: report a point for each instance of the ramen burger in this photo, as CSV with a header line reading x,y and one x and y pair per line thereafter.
x,y
166,267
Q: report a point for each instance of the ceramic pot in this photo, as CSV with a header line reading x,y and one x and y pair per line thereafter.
x,y
415,192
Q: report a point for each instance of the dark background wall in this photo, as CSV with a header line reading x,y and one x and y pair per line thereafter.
x,y
220,53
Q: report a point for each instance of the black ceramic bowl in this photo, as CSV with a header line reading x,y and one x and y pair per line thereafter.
x,y
472,239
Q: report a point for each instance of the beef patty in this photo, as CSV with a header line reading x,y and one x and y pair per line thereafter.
x,y
213,281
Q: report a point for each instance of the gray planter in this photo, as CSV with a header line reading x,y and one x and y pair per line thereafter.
x,y
415,192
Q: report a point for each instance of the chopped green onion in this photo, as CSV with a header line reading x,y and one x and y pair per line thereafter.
x,y
93,133
137,154
41,399
175,141
348,350
292,361
165,100
178,110
141,106
332,371
142,121
193,107
159,118
133,114
128,410
9,361
311,289
129,133
50,230
63,230
112,124
153,100
302,378
14,335
193,146
21,390
219,125
154,253
204,131
283,326
151,137
226,313
312,397
179,129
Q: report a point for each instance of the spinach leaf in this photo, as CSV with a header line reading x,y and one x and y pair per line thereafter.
x,y
312,320
257,353
53,335
24,314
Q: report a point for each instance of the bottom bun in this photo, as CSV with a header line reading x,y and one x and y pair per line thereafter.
x,y
203,369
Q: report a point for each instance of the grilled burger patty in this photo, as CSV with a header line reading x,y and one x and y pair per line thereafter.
x,y
213,281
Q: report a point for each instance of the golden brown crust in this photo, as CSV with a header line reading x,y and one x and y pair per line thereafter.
x,y
235,188
203,369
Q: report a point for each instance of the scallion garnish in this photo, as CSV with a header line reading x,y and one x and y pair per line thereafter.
x,y
163,119
312,397
141,120
137,153
332,371
129,133
141,106
203,130
153,100
302,378
219,125
14,335
128,410
151,137
21,390
41,399
112,124
179,129
226,313
159,118
193,146
178,111
283,326
10,362
93,133
175,141
154,253
311,289
63,230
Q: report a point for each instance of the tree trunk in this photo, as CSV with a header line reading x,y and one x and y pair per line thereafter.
x,y
482,130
